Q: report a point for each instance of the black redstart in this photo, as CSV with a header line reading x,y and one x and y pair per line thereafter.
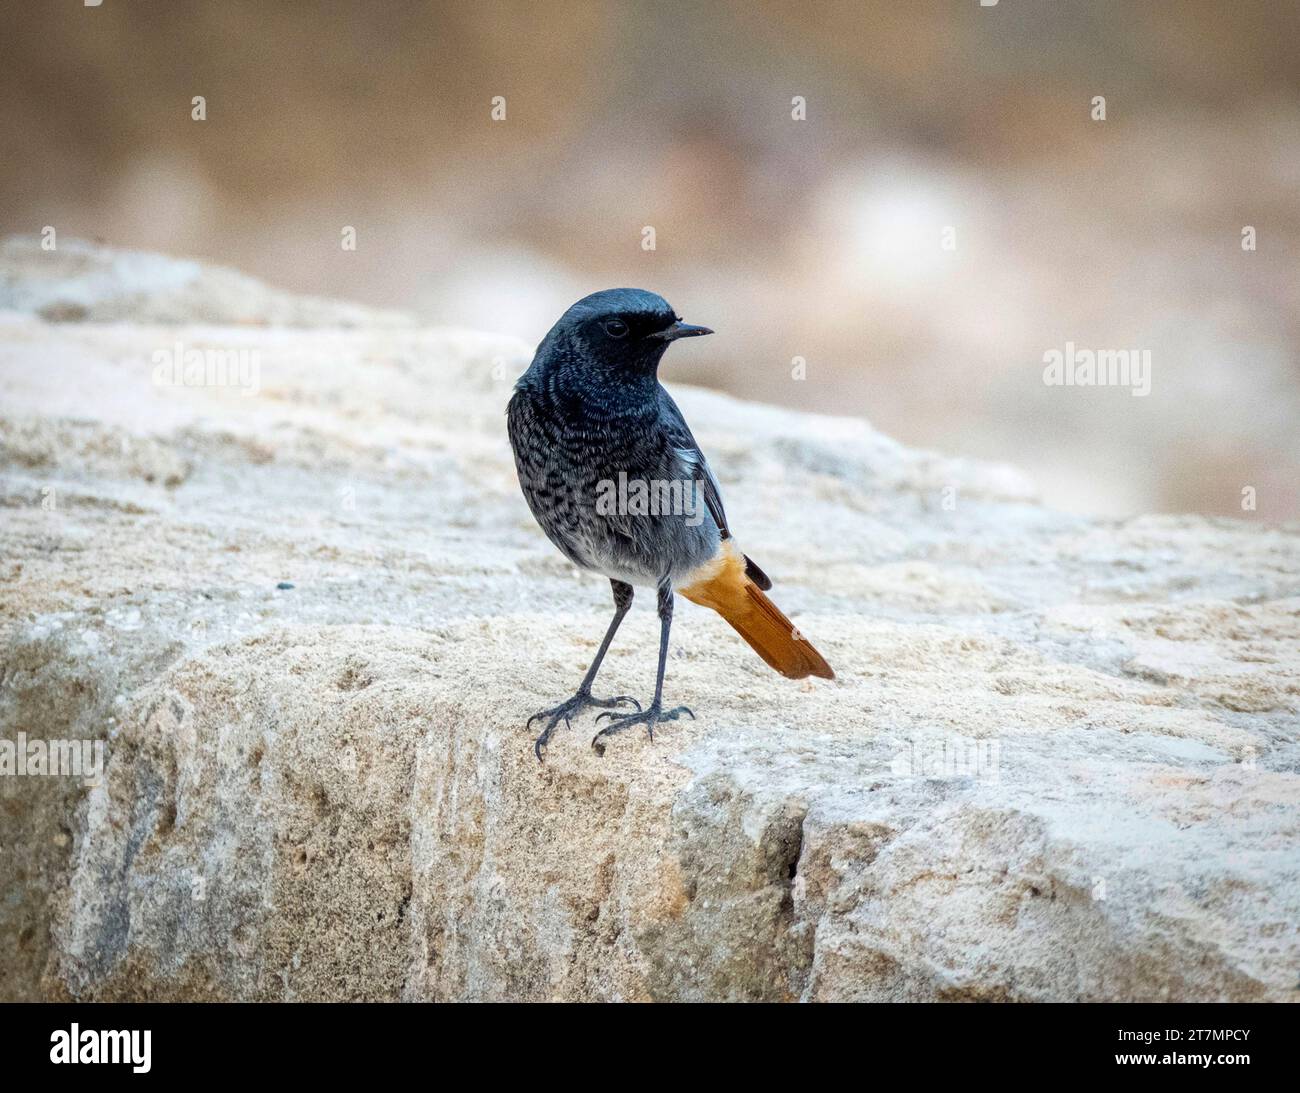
x,y
618,483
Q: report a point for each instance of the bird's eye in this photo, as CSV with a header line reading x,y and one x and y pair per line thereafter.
x,y
616,328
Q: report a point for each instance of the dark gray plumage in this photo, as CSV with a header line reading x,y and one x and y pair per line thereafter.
x,y
590,412
591,407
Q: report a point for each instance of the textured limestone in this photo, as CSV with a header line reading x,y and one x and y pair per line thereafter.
x,y
78,281
1060,760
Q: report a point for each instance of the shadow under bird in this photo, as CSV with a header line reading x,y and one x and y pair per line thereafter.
x,y
590,412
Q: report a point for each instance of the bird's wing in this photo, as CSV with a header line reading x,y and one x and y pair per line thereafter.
x,y
684,443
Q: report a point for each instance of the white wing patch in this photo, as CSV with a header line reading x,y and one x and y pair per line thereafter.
x,y
696,467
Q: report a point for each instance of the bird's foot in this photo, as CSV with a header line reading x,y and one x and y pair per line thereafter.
x,y
571,708
649,717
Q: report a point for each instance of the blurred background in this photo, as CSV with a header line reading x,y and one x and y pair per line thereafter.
x,y
821,239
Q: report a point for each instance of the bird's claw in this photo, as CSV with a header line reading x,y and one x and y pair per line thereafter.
x,y
649,717
571,708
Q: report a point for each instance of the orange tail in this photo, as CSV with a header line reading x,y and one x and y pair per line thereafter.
x,y
723,585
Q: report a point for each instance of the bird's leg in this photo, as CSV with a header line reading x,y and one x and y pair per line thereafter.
x,y
584,697
655,712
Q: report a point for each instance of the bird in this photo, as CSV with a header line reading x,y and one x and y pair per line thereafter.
x,y
616,480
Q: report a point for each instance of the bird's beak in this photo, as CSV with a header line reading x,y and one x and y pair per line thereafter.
x,y
681,330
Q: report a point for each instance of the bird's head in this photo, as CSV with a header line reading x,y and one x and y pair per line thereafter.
x,y
620,331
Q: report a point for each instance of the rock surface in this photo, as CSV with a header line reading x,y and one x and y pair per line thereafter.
x,y
80,282
1060,760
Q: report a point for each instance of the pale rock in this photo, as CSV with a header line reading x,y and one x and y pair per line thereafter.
x,y
1059,761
